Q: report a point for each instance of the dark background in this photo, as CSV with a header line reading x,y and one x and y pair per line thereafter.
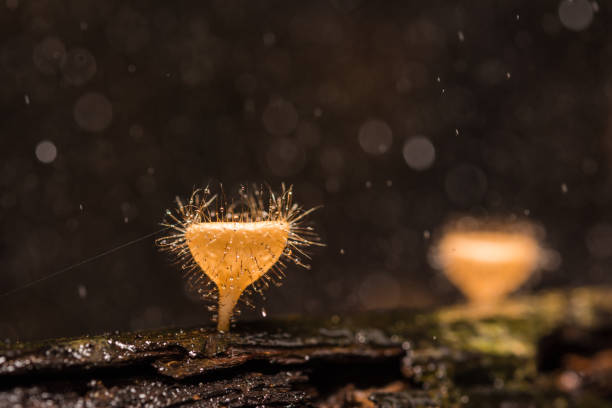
x,y
108,109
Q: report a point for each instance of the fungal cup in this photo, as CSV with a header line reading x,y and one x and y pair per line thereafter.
x,y
227,255
488,260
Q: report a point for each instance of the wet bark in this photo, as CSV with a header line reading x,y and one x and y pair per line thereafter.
x,y
548,349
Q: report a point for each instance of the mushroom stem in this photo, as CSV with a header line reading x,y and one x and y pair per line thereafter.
x,y
227,302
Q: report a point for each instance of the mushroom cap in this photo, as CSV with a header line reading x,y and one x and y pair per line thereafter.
x,y
236,254
487,265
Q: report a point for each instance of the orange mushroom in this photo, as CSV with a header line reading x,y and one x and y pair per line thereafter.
x,y
239,249
488,260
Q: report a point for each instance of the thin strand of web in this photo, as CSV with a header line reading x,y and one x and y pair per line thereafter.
x,y
81,263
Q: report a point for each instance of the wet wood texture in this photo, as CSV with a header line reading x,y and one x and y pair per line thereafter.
x,y
547,349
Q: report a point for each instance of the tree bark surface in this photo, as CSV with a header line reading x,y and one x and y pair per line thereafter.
x,y
551,349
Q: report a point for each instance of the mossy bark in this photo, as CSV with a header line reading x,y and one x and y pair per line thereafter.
x,y
522,350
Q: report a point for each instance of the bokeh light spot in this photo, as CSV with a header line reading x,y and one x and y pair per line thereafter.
x,y
49,55
419,153
576,15
465,184
79,67
308,134
280,117
285,157
196,70
375,136
128,31
93,112
269,39
45,151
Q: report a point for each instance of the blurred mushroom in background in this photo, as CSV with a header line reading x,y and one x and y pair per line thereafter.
x,y
488,259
